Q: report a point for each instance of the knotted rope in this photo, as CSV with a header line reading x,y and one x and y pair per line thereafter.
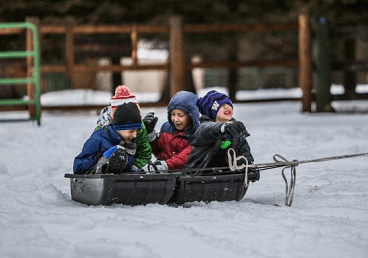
x,y
233,164
280,161
289,190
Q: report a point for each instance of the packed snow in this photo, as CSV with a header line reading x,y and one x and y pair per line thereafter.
x,y
328,217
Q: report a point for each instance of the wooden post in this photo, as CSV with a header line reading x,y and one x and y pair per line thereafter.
x,y
30,63
322,56
69,38
305,60
134,39
176,55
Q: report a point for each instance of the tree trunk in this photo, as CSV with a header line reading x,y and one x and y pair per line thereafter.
x,y
188,75
233,77
116,77
349,75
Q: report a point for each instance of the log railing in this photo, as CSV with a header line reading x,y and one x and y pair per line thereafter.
x,y
175,64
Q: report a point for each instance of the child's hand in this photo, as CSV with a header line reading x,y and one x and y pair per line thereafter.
x,y
235,128
237,131
159,166
114,160
150,121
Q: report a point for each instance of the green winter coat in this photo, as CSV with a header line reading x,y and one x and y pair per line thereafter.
x,y
143,153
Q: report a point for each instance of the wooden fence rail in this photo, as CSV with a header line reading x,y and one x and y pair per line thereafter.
x,y
175,30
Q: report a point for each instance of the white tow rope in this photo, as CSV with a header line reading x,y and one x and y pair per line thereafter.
x,y
289,190
233,164
280,161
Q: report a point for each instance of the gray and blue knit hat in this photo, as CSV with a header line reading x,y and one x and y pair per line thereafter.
x,y
210,103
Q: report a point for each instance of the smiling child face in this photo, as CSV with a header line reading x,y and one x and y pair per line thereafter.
x,y
180,119
128,135
225,113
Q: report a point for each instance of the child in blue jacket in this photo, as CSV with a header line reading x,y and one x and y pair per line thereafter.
x,y
111,149
123,95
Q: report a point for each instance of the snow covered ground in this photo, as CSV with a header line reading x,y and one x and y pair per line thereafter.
x,y
328,218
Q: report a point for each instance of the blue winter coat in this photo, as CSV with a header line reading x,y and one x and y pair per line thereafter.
x,y
99,142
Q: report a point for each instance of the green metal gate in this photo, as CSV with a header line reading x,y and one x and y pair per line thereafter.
x,y
34,79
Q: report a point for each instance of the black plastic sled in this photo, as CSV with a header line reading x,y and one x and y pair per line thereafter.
x,y
129,189
208,188
163,188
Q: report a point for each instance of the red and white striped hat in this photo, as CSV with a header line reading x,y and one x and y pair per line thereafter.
x,y
122,95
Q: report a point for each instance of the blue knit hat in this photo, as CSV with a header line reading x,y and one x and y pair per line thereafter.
x,y
126,117
210,104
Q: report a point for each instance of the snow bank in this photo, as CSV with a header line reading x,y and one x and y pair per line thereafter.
x,y
328,218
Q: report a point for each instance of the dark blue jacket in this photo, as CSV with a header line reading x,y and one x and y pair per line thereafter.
x,y
99,142
206,151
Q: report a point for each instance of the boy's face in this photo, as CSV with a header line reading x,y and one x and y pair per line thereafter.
x,y
180,119
225,113
128,135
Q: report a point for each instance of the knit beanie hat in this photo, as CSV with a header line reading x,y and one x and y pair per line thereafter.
x,y
126,117
210,104
122,95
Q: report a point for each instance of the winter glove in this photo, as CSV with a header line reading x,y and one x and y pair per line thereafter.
x,y
237,131
150,122
114,160
228,130
101,165
146,167
159,166
233,128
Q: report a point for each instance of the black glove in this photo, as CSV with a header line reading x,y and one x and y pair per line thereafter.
x,y
238,132
114,160
159,166
150,122
235,128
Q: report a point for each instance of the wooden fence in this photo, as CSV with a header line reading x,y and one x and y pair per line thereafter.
x,y
176,64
